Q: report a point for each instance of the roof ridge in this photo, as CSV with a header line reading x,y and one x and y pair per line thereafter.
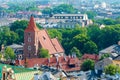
x,y
50,40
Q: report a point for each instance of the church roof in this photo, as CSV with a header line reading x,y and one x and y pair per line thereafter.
x,y
32,25
57,45
46,42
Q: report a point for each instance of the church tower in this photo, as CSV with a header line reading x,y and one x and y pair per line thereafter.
x,y
31,40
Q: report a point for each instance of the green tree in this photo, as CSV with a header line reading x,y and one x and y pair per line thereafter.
x,y
9,53
47,10
87,65
76,51
55,33
90,47
7,37
91,14
94,32
0,55
44,53
19,25
104,56
64,8
79,40
112,69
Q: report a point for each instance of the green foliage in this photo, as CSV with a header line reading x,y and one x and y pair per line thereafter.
x,y
107,21
112,69
55,33
19,25
79,41
104,56
90,47
63,8
76,51
47,11
91,14
0,55
18,6
44,53
9,53
87,65
7,37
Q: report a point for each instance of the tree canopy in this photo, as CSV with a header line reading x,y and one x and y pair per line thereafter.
x,y
63,8
9,53
112,69
88,65
44,53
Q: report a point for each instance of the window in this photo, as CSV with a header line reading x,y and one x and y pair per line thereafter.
x,y
29,47
29,39
44,38
29,34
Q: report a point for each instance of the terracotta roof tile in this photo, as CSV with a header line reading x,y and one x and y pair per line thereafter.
x,y
62,63
91,56
57,45
46,42
32,25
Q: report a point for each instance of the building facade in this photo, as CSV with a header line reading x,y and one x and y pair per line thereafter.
x,y
68,20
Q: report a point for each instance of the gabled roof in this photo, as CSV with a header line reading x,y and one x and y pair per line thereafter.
x,y
46,42
57,45
91,56
52,45
117,57
32,25
15,46
111,49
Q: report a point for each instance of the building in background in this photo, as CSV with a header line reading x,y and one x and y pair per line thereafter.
x,y
67,20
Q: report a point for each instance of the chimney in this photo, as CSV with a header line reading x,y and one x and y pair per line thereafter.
x,y
57,59
48,60
65,58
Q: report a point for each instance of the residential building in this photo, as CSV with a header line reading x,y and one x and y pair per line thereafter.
x,y
102,63
116,62
18,50
111,50
69,20
67,64
34,39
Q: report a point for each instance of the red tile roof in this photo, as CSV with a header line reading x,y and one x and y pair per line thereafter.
x,y
61,62
32,25
91,56
57,45
46,42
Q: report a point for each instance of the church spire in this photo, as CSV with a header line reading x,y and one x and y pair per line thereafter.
x,y
32,25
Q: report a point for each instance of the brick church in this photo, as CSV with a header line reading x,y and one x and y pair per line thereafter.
x,y
34,39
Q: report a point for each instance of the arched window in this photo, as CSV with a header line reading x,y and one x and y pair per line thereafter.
x,y
29,39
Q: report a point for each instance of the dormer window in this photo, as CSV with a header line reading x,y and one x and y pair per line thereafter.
x,y
29,39
44,38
